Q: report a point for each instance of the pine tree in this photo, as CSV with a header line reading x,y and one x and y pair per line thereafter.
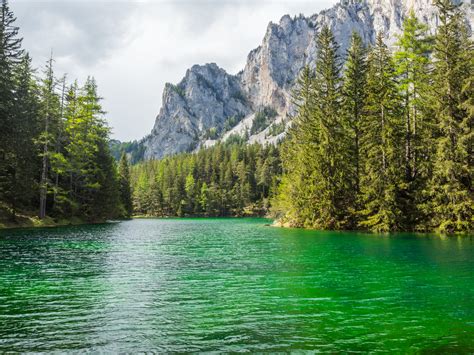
x,y
295,196
50,108
381,145
451,193
10,55
204,197
124,185
467,124
317,179
412,67
27,128
106,201
50,145
59,163
190,187
95,177
71,115
218,181
355,96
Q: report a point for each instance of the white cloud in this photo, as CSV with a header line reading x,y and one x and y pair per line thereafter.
x,y
134,47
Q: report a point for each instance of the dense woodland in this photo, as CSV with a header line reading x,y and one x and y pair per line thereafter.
x,y
229,179
382,141
55,159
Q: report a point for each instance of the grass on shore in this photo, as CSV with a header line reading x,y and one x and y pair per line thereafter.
x,y
30,221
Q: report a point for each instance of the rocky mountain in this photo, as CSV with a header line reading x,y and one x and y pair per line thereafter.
x,y
210,104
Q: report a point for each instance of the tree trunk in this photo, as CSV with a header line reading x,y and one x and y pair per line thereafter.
x,y
44,182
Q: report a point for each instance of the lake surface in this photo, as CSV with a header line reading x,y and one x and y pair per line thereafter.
x,y
233,285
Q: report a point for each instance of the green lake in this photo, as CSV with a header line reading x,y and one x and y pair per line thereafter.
x,y
229,285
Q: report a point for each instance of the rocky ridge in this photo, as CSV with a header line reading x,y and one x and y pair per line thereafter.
x,y
210,104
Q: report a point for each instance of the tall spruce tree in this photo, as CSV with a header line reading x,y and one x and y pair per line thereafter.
x,y
354,102
27,129
467,125
318,149
124,185
451,206
412,67
381,145
10,55
71,115
330,143
412,60
293,203
91,166
59,163
50,111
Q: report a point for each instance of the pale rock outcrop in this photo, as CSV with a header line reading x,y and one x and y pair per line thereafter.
x,y
209,99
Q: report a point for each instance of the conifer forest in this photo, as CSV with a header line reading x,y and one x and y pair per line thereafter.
x,y
381,140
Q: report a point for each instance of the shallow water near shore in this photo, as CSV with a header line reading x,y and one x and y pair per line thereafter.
x,y
233,285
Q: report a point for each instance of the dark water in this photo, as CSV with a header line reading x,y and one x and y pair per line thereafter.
x,y
233,285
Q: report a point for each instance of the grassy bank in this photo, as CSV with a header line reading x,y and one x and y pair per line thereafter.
x,y
29,221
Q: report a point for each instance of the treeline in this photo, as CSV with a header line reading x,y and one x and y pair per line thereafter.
x,y
134,150
229,179
54,142
384,141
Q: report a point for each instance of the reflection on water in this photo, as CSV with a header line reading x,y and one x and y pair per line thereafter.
x,y
230,285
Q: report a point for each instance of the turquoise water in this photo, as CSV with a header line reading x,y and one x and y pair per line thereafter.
x,y
233,285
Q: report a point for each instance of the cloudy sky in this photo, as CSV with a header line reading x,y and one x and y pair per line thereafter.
x,y
133,48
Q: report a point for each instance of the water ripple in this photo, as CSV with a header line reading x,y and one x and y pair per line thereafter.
x,y
226,285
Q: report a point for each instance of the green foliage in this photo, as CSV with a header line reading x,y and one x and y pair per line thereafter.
x,y
11,55
276,129
354,99
450,202
381,145
315,188
177,89
135,150
26,125
235,139
54,142
293,202
124,186
398,154
412,68
231,122
239,95
218,181
211,133
51,128
262,120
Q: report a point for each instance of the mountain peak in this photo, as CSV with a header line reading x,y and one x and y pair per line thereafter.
x,y
209,104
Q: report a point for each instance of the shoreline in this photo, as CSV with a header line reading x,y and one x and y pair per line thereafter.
x,y
48,222
34,222
287,225
24,221
197,216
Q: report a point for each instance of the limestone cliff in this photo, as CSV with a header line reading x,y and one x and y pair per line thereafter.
x,y
210,104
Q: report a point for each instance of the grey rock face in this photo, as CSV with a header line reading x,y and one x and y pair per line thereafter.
x,y
208,97
205,98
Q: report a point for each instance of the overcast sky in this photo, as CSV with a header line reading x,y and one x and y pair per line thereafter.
x,y
133,48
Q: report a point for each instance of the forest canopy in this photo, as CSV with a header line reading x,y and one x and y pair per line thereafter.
x,y
382,140
55,159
